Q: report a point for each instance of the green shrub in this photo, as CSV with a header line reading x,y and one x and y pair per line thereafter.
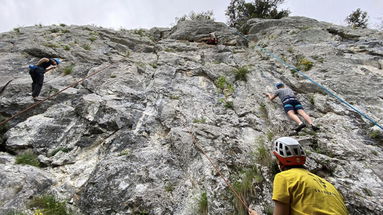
x,y
15,213
68,69
65,31
262,154
92,38
174,97
269,209
200,121
244,187
357,19
312,99
203,204
62,25
224,86
140,32
55,30
66,48
239,12
229,105
51,45
125,152
28,158
169,188
375,134
270,136
169,50
241,74
86,47
17,30
113,76
294,72
367,192
304,64
208,15
48,205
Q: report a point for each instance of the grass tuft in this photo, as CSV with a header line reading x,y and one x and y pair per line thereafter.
x,y
225,87
203,204
229,105
169,188
244,187
92,38
303,63
241,73
86,47
51,45
48,205
125,152
69,69
375,134
200,121
28,158
14,212
66,47
17,30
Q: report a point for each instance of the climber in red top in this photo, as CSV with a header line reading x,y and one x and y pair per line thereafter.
x,y
212,39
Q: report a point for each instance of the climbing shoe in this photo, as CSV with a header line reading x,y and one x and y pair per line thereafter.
x,y
314,128
36,99
300,127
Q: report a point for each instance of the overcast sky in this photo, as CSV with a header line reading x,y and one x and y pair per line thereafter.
x,y
131,14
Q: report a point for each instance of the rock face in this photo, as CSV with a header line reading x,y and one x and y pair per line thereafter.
x,y
129,140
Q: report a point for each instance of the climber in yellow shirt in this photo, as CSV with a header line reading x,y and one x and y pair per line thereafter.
x,y
296,191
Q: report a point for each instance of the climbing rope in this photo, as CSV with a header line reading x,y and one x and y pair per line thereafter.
x,y
5,86
237,195
42,101
291,67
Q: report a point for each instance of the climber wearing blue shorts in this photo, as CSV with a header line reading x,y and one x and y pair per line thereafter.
x,y
292,106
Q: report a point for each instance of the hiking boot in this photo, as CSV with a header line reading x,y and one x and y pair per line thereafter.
x,y
300,127
314,128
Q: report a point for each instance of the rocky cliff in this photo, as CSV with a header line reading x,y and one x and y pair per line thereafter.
x,y
125,141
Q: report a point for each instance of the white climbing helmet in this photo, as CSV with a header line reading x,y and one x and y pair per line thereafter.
x,y
289,152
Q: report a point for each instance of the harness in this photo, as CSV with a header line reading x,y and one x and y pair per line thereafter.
x,y
289,98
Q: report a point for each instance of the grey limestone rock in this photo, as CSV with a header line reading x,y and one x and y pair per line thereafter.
x,y
131,139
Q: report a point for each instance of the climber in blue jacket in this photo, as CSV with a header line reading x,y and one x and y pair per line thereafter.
x,y
292,106
37,72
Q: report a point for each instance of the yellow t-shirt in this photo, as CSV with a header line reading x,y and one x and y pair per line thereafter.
x,y
307,193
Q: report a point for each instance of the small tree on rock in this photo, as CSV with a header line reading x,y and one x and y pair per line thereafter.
x,y
208,15
239,11
357,19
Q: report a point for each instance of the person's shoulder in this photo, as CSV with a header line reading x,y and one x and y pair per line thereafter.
x,y
277,91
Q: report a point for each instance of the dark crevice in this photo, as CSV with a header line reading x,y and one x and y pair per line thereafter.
x,y
3,129
342,34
